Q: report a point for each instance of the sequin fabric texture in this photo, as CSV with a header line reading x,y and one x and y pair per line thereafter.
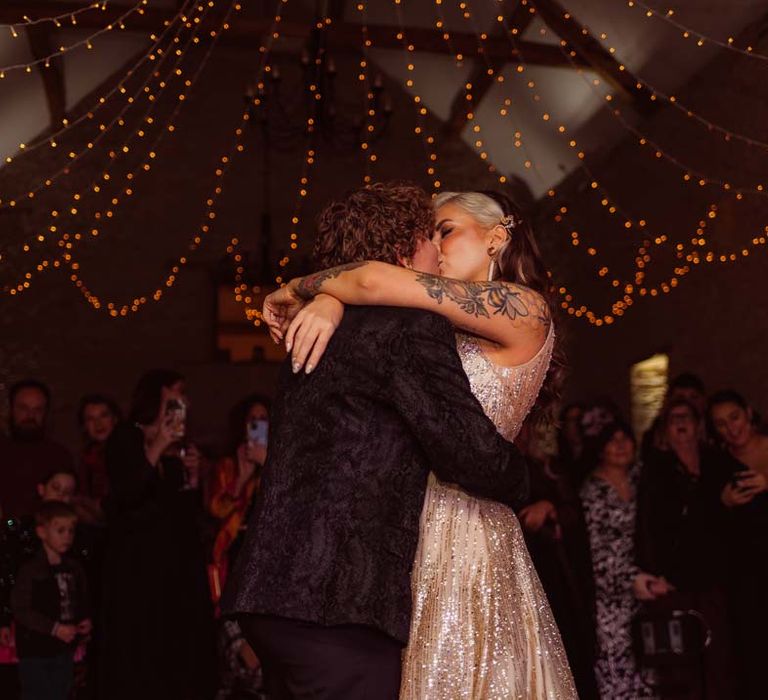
x,y
481,625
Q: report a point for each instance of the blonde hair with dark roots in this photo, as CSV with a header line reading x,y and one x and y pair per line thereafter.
x,y
519,262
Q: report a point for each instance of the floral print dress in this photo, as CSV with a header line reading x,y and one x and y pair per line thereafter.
x,y
611,527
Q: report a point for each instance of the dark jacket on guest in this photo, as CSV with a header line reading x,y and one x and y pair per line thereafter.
x,y
680,520
158,633
335,527
37,604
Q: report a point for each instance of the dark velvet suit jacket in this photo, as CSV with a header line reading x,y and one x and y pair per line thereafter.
x,y
334,530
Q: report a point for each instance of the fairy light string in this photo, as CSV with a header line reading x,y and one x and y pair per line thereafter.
x,y
144,122
241,291
594,183
66,258
73,157
87,42
688,33
364,76
655,94
477,138
643,258
690,175
428,139
56,19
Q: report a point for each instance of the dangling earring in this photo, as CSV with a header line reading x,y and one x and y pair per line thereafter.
x,y
492,264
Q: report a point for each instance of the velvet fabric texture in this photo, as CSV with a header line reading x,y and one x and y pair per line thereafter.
x,y
335,527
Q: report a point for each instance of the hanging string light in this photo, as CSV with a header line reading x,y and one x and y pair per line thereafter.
x,y
308,161
138,8
67,241
242,294
369,153
477,139
145,121
655,94
688,33
52,140
57,19
690,175
116,310
428,139
643,255
595,185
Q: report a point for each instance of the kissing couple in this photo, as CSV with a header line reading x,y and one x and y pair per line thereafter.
x,y
383,557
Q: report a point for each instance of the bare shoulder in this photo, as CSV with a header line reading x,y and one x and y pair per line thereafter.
x,y
519,302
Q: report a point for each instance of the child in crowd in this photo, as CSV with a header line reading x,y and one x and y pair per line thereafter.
x,y
50,607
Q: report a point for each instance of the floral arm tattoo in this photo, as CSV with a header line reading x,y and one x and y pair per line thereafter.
x,y
484,298
309,287
478,299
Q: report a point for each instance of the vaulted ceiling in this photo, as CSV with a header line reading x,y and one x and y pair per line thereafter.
x,y
573,53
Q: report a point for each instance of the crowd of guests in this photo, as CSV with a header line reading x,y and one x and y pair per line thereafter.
x,y
651,548
112,563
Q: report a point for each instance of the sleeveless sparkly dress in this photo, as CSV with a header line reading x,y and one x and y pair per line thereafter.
x,y
482,628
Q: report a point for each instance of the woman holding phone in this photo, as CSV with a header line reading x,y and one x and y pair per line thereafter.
x,y
234,483
235,480
158,629
745,498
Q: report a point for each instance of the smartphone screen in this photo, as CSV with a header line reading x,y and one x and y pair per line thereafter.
x,y
176,411
258,431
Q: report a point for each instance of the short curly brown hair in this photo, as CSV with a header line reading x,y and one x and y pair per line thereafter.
x,y
383,222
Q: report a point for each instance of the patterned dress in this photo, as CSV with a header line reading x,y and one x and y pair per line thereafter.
x,y
481,627
611,526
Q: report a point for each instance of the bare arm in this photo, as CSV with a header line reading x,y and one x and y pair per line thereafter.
x,y
502,312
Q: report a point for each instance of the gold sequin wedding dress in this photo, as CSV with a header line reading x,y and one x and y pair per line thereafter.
x,y
482,628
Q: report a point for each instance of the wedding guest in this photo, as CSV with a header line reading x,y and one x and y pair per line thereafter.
x,y
50,607
97,416
609,500
158,620
235,482
680,537
236,478
745,497
686,386
27,454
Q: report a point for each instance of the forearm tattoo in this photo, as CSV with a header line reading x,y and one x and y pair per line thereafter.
x,y
309,287
481,299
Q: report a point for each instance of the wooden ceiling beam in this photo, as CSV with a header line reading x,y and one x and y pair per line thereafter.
x,y
342,36
42,44
591,51
517,19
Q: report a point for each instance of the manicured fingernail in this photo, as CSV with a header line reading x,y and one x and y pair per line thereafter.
x,y
288,347
309,369
296,367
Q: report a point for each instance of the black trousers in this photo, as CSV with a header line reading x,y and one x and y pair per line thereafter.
x,y
303,660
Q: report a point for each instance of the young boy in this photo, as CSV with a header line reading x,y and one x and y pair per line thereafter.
x,y
50,607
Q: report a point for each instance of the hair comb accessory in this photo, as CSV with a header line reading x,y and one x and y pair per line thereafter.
x,y
508,222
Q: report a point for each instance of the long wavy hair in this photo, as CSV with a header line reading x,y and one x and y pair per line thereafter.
x,y
519,262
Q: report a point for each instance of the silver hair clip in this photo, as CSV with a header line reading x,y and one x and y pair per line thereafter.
x,y
508,222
